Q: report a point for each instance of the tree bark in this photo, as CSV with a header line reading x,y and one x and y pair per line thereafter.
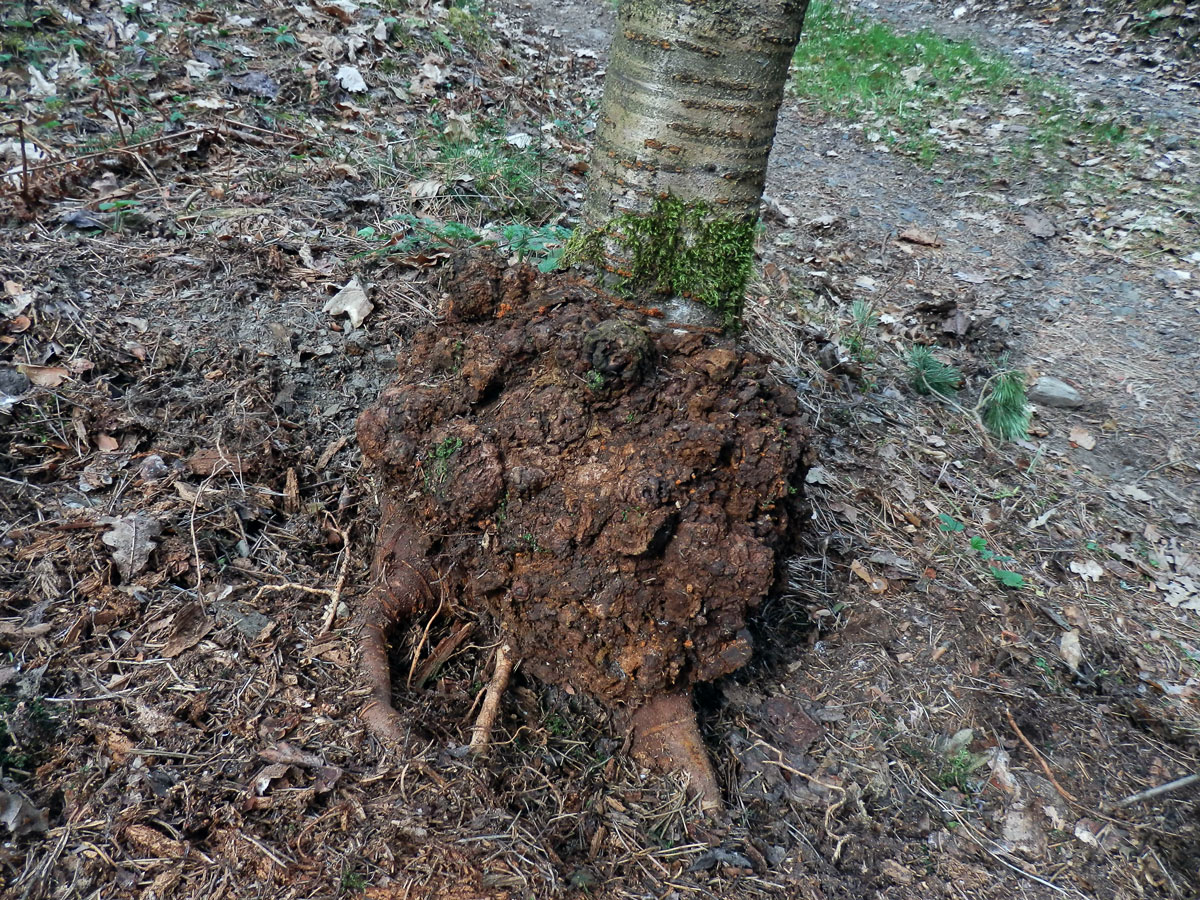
x,y
690,105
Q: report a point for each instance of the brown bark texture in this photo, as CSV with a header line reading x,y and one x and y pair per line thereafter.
x,y
691,99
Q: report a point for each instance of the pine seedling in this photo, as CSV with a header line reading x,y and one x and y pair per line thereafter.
x,y
929,375
1005,411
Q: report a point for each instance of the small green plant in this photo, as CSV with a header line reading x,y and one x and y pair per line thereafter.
x,y
543,243
1005,411
979,547
441,455
957,771
929,375
864,323
281,35
353,882
119,209
594,380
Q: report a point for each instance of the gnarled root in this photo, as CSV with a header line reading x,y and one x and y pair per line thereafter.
x,y
379,715
400,592
481,733
667,738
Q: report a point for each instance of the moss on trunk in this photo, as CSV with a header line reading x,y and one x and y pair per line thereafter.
x,y
686,249
690,105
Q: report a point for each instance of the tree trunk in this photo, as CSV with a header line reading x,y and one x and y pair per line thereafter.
x,y
690,105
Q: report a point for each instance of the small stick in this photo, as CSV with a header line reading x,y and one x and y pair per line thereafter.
x,y
335,596
25,195
1065,794
442,652
162,138
481,734
112,104
1150,793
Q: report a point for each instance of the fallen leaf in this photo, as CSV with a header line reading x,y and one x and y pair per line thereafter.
x,y
132,541
106,443
20,816
196,69
188,627
351,300
520,140
876,584
283,752
1136,493
1087,569
919,236
1182,593
44,376
459,129
1080,437
351,79
1069,647
818,475
425,190
1039,225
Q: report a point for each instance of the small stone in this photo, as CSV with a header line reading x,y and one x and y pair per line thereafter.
x,y
13,384
153,468
1174,142
1056,394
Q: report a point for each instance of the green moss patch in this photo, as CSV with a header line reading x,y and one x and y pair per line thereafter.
x,y
676,248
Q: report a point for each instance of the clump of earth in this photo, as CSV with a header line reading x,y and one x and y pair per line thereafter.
x,y
615,495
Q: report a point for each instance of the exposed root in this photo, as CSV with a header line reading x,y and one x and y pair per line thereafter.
x,y
667,738
481,733
379,715
400,592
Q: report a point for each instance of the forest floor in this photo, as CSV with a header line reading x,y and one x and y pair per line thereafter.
x,y
983,649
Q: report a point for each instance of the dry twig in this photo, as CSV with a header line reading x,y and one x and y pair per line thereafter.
x,y
481,734
1063,792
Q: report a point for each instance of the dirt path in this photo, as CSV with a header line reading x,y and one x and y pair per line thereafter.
x,y
1120,326
1090,58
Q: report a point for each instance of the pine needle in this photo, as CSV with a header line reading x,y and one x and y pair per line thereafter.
x,y
929,375
1006,412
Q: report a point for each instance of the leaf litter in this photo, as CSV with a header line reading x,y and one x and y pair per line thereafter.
x,y
191,771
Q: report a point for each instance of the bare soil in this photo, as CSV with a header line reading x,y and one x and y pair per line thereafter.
x,y
187,532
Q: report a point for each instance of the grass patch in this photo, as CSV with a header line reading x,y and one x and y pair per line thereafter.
x,y
485,171
917,92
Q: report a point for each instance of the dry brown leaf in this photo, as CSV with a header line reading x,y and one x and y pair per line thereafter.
x,y
351,300
20,816
914,235
425,190
44,376
1071,650
132,541
106,443
876,584
1087,569
1081,437
189,626
1039,225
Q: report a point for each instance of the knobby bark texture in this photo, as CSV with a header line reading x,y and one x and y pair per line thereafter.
x,y
691,100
